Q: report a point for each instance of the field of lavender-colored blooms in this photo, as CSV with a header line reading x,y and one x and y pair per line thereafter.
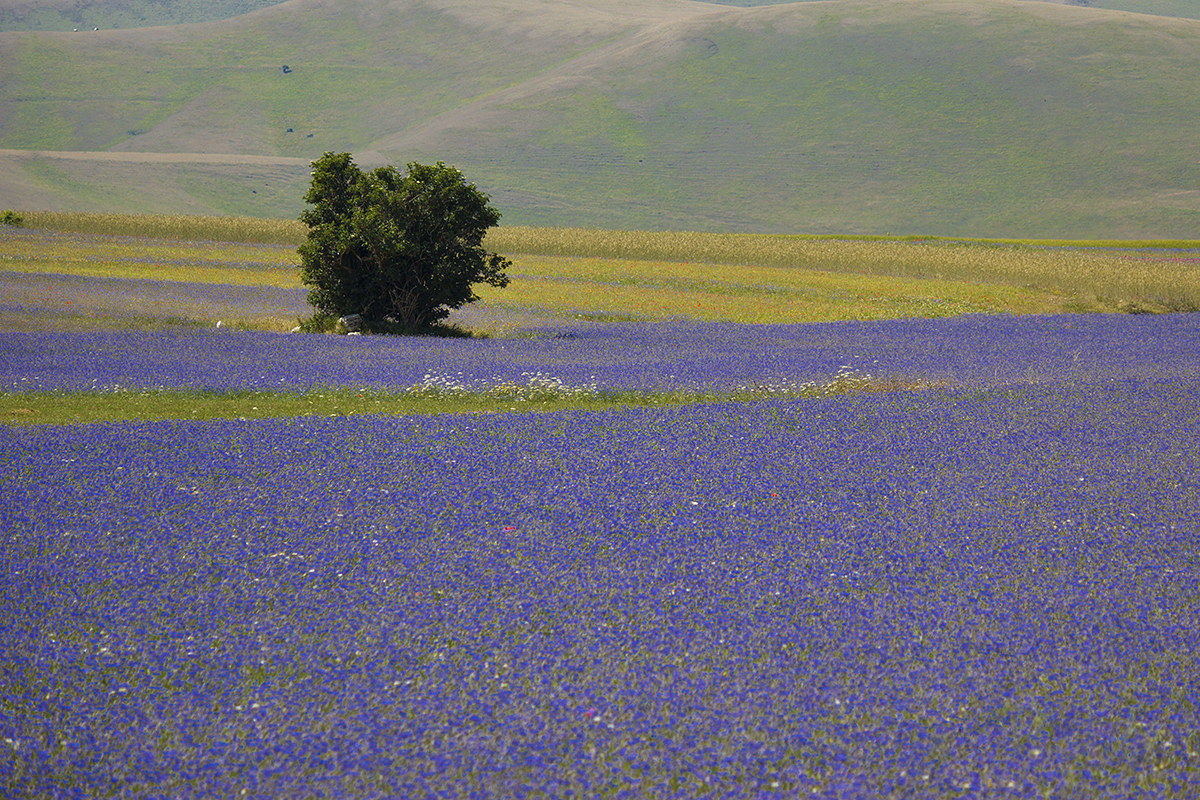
x,y
988,588
970,350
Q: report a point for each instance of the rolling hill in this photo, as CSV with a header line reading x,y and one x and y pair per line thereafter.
x,y
990,118
64,15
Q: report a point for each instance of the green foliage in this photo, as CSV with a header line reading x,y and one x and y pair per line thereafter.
x,y
11,218
400,249
318,323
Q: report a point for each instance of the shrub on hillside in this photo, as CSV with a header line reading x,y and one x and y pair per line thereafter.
x,y
11,218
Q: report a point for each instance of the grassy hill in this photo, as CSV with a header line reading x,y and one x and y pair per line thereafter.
x,y
63,15
992,118
1164,8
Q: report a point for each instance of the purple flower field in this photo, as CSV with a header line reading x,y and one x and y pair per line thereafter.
x,y
990,590
971,350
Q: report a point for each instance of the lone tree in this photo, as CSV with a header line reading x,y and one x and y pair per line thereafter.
x,y
398,249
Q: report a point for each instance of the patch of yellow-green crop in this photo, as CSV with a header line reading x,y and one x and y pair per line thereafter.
x,y
116,269
198,262
1107,278
172,226
754,248
596,274
751,294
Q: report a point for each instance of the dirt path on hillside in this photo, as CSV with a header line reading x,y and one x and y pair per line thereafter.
x,y
559,78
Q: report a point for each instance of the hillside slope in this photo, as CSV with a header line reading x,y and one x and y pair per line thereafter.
x,y
1162,8
345,71
63,15
991,117
933,116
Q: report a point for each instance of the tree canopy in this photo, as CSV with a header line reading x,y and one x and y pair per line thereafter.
x,y
399,249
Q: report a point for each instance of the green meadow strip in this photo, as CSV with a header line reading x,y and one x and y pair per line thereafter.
x,y
123,405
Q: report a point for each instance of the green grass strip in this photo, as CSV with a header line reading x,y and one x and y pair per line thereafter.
x,y
81,407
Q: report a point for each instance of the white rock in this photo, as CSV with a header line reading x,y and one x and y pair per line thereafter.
x,y
349,323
